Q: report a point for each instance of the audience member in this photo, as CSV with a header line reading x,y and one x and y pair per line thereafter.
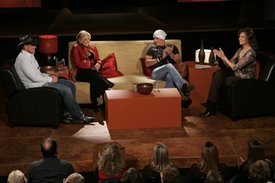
x,y
16,176
132,175
50,168
209,161
111,163
152,172
259,172
214,176
74,178
255,152
29,72
171,174
161,57
241,66
87,63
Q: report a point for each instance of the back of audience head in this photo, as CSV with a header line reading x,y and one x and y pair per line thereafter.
x,y
74,178
209,157
132,175
49,147
214,176
111,160
255,151
259,172
171,174
160,157
16,176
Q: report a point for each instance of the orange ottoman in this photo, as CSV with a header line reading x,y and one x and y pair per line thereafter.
x,y
126,109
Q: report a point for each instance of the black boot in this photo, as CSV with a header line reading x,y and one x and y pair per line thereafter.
x,y
186,89
186,103
210,109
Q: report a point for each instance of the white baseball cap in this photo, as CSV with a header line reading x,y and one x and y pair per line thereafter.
x,y
159,34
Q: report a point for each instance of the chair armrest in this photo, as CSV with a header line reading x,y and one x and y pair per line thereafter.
x,y
251,97
252,87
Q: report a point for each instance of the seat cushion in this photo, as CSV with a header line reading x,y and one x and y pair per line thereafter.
x,y
109,67
147,71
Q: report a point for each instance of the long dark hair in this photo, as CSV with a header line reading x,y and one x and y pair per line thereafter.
x,y
255,151
209,157
250,37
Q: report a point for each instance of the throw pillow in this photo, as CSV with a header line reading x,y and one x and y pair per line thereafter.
x,y
109,67
147,71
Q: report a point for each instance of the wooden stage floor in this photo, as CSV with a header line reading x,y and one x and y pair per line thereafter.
x,y
20,146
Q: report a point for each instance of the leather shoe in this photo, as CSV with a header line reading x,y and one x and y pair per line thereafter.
x,y
207,113
87,119
83,120
186,103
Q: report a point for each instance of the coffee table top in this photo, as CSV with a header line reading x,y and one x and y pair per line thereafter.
x,y
122,94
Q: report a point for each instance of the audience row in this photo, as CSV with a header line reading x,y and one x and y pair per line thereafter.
x,y
111,167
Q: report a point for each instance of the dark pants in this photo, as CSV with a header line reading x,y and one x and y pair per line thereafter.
x,y
98,83
219,78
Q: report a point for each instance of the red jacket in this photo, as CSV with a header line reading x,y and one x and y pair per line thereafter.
x,y
80,56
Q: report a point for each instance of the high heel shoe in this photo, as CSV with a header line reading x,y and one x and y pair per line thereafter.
x,y
207,113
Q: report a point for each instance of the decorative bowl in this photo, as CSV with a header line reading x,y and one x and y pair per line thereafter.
x,y
144,88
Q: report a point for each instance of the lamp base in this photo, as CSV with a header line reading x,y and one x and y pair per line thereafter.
x,y
47,60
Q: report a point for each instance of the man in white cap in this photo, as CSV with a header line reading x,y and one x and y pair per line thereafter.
x,y
161,57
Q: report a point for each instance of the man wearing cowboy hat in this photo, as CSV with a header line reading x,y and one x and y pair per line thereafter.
x,y
161,57
28,71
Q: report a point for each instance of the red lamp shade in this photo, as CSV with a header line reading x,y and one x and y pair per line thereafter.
x,y
48,44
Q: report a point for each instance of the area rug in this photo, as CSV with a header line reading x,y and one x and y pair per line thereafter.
x,y
95,132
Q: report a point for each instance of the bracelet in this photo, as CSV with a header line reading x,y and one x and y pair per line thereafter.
x,y
157,59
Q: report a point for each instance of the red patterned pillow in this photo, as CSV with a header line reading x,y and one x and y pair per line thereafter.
x,y
147,71
109,67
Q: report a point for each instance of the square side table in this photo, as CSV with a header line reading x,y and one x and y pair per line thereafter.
x,y
127,109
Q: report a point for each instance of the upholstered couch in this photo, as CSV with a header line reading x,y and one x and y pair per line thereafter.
x,y
128,54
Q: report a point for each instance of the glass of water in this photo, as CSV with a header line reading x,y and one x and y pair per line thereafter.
x,y
156,86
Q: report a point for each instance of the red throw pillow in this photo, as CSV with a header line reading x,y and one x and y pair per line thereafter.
x,y
147,71
109,67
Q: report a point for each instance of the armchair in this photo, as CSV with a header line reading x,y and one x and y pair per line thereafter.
x,y
30,107
251,97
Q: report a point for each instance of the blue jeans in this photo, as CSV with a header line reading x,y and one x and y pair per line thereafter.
x,y
169,74
66,88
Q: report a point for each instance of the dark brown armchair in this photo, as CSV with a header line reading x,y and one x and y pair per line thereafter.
x,y
251,97
30,107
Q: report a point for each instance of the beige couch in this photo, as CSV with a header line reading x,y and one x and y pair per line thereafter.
x,y
128,54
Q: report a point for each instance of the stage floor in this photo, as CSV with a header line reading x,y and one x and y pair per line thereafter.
x,y
77,143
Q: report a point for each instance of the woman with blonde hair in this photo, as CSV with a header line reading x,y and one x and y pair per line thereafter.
x,y
111,163
87,64
74,178
209,161
16,176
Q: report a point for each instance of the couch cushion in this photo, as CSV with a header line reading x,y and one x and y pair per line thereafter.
x,y
109,67
147,71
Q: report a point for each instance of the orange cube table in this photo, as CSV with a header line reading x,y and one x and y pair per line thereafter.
x,y
127,109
